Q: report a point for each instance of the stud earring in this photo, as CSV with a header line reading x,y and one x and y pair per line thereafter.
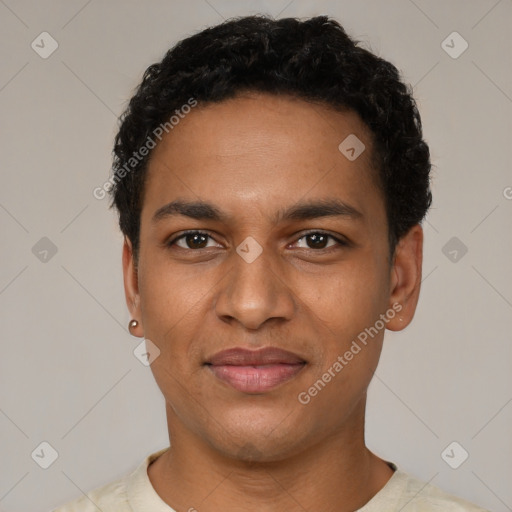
x,y
133,323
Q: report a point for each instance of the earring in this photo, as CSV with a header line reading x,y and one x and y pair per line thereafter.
x,y
133,323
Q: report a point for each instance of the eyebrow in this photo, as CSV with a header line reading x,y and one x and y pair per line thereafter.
x,y
202,210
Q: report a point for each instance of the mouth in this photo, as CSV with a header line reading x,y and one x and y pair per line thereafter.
x,y
255,371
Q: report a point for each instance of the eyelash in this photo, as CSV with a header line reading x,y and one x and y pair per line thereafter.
x,y
339,241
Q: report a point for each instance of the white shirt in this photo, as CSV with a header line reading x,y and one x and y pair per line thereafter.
x,y
135,493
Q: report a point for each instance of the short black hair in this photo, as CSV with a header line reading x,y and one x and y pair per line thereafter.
x,y
312,59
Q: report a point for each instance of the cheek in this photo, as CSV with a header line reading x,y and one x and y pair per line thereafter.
x,y
350,299
170,297
346,313
171,308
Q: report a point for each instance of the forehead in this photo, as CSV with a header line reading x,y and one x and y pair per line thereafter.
x,y
258,150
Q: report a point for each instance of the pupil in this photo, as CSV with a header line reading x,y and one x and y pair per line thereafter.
x,y
195,237
316,238
194,240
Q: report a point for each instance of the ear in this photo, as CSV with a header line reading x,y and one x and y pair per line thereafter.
x,y
405,279
131,287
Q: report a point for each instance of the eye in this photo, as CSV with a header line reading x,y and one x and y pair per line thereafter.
x,y
317,240
191,240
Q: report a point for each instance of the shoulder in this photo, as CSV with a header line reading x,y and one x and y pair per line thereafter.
x,y
418,496
131,491
109,497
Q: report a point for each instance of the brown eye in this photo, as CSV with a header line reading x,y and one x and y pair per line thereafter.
x,y
318,240
191,240
196,241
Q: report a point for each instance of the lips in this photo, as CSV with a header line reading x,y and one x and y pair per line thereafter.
x,y
255,371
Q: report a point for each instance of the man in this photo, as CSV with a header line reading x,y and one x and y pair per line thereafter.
x,y
270,178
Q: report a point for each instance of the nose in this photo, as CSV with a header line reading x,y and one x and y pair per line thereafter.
x,y
255,292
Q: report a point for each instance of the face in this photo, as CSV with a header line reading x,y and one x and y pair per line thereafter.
x,y
289,251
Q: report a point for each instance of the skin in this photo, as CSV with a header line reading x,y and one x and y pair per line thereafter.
x,y
251,157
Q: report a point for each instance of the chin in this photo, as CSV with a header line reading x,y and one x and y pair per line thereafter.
x,y
261,441
257,451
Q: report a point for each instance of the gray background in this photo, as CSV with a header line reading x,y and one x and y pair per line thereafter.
x,y
68,375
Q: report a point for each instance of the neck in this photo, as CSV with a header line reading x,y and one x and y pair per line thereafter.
x,y
336,472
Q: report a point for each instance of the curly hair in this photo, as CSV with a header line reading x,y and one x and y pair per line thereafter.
x,y
314,60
